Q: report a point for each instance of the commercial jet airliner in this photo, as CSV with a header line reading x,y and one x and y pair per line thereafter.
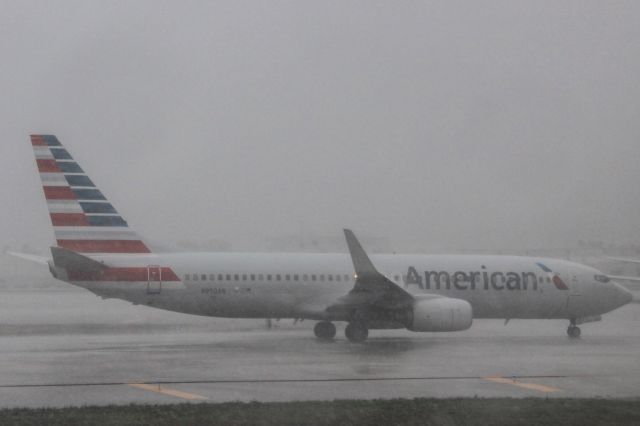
x,y
97,250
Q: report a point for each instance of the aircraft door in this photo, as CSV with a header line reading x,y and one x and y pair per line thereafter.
x,y
575,291
574,286
154,279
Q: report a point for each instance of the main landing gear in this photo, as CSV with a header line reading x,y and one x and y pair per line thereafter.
x,y
573,331
356,332
325,330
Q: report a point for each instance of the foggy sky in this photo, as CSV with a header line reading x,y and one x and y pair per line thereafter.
x,y
488,125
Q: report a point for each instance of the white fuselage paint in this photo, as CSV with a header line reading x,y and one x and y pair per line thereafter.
x,y
245,295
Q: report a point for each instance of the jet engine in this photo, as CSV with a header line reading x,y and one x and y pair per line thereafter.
x,y
440,314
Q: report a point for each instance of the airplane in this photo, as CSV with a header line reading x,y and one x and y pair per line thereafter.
x,y
98,251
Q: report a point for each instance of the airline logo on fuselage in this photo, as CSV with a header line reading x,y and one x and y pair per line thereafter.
x,y
480,280
557,281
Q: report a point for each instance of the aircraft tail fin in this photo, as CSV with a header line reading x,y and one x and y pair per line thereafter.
x,y
83,220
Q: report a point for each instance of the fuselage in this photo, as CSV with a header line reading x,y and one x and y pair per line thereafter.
x,y
295,285
96,249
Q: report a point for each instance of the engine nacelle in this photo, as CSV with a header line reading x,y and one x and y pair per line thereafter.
x,y
441,314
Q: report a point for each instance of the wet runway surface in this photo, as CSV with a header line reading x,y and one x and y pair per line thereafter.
x,y
63,348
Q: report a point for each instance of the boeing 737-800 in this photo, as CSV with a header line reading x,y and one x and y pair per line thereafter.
x,y
97,250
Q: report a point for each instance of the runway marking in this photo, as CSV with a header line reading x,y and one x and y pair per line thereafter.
x,y
157,388
291,380
514,382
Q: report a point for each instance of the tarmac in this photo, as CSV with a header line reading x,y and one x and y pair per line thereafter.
x,y
67,347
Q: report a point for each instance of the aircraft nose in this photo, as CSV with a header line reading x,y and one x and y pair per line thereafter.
x,y
622,295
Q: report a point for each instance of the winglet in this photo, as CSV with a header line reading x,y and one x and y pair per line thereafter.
x,y
369,280
361,262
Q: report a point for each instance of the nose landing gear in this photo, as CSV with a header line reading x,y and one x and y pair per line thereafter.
x,y
573,331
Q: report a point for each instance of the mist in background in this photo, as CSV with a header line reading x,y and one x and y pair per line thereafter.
x,y
424,126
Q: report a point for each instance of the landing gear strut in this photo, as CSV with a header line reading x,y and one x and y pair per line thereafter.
x,y
356,332
325,330
573,331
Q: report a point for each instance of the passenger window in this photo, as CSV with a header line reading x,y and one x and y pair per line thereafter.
x,y
203,277
295,277
548,279
313,277
244,277
287,277
346,277
330,277
195,277
187,277
305,277
236,277
220,277
338,278
268,277
278,277
228,277
321,277
253,277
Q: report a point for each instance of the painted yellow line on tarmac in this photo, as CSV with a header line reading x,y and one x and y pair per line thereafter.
x,y
531,386
166,391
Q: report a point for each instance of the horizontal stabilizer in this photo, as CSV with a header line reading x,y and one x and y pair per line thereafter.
x,y
30,257
73,261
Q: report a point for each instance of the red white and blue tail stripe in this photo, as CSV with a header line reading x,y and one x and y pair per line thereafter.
x,y
83,219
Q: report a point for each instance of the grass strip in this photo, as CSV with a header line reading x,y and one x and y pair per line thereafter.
x,y
419,411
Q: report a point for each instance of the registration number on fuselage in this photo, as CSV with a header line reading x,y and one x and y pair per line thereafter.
x,y
213,290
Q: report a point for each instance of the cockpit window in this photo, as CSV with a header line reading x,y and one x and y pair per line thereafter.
x,y
602,278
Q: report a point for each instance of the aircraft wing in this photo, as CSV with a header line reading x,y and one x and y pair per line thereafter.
x,y
372,289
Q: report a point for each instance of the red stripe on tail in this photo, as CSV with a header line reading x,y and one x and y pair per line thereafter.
x,y
37,140
104,246
48,166
69,219
58,193
122,274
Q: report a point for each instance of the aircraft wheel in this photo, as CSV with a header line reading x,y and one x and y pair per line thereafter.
x,y
325,330
573,331
356,332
